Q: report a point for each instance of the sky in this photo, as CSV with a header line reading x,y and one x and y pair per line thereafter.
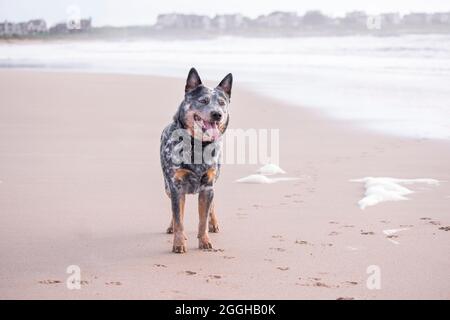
x,y
144,12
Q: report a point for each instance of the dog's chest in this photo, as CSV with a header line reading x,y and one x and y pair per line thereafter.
x,y
194,178
182,171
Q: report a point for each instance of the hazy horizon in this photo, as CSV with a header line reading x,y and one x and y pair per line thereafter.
x,y
141,12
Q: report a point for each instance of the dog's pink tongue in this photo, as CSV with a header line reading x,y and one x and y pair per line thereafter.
x,y
212,129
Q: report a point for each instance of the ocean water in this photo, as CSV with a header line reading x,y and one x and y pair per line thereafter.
x,y
395,85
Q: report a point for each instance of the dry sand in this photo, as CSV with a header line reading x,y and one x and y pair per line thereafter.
x,y
81,185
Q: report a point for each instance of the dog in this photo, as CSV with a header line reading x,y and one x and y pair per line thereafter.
x,y
190,155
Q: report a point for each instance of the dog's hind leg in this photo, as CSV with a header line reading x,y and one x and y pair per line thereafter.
x,y
179,239
205,199
213,224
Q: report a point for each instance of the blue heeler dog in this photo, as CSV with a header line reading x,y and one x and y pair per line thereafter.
x,y
190,155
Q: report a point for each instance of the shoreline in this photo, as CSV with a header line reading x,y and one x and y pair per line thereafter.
x,y
81,184
142,33
317,112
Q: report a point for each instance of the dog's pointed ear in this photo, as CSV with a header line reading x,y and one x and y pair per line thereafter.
x,y
193,80
226,84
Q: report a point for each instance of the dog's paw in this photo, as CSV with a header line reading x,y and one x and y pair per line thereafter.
x,y
204,243
179,243
213,228
179,249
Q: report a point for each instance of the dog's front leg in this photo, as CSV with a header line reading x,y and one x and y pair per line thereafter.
x,y
205,199
179,239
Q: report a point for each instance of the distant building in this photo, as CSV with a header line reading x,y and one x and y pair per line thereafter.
x,y
19,29
167,21
37,26
356,18
32,27
390,19
85,24
182,21
5,28
315,19
417,19
278,19
441,18
59,28
229,21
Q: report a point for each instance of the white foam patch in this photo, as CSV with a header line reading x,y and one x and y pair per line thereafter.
x,y
381,189
390,232
255,178
270,169
263,173
262,179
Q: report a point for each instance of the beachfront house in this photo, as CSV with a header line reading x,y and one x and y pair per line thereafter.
x,y
355,19
390,19
36,26
229,21
5,28
182,21
278,19
417,19
441,18
32,27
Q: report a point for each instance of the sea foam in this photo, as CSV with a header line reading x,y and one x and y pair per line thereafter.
x,y
263,173
270,169
255,178
381,189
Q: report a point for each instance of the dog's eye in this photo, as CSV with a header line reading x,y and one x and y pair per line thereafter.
x,y
204,100
221,103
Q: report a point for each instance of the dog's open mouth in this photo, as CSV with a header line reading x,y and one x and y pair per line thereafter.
x,y
210,129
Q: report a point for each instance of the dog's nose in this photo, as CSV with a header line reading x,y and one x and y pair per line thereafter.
x,y
216,116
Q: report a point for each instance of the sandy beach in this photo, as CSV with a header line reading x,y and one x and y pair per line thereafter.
x,y
81,184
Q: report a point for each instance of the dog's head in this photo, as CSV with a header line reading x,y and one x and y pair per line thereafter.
x,y
204,111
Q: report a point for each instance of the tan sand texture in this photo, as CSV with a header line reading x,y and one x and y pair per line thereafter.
x,y
81,185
